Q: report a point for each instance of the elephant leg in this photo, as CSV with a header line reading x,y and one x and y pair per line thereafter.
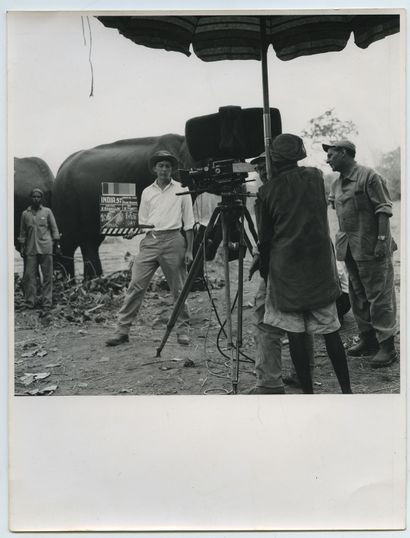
x,y
91,258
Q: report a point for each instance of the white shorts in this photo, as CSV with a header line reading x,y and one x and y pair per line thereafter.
x,y
320,321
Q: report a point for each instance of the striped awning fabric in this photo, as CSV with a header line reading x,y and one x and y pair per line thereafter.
x,y
217,37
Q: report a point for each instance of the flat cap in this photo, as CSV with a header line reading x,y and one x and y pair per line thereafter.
x,y
36,189
346,144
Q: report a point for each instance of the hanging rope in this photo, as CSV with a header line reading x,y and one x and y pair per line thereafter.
x,y
89,58
82,26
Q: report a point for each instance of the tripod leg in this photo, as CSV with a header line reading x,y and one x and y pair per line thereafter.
x,y
251,225
188,283
235,366
225,240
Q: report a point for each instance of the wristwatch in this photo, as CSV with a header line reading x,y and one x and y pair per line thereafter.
x,y
381,238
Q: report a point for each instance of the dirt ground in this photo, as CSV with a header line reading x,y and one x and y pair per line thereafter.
x,y
65,353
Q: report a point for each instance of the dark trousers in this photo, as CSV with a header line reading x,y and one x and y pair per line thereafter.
x,y
32,263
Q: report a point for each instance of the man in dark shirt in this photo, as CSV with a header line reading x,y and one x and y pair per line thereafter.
x,y
38,231
297,259
363,207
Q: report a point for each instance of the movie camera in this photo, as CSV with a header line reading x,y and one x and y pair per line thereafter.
x,y
221,142
217,177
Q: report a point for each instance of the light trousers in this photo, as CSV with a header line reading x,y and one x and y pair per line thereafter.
x,y
372,295
158,249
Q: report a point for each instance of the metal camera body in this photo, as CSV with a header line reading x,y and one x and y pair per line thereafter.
x,y
217,177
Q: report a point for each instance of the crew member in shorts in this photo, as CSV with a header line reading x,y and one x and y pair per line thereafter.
x,y
297,260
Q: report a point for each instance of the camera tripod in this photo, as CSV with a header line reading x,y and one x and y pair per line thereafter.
x,y
231,210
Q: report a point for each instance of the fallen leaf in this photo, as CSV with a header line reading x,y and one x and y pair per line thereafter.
x,y
42,353
42,375
29,344
52,365
30,353
27,379
48,390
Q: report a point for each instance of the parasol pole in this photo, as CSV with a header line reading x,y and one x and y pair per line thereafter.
x,y
267,130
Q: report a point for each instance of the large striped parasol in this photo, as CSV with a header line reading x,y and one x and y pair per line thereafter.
x,y
247,37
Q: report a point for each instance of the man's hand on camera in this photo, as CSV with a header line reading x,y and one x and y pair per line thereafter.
x,y
130,235
254,265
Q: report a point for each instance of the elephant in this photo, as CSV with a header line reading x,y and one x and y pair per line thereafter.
x,y
29,172
77,190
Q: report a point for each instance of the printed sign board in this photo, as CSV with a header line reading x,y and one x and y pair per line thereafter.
x,y
118,208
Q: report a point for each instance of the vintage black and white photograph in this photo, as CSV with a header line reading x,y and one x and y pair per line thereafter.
x,y
206,204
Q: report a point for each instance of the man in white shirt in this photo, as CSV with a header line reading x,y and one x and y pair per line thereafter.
x,y
164,246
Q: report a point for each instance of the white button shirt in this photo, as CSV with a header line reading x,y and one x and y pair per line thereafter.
x,y
164,210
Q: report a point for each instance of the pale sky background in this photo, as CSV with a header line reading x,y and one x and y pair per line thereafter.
x,y
140,91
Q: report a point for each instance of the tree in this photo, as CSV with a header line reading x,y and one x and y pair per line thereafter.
x,y
325,128
328,127
389,167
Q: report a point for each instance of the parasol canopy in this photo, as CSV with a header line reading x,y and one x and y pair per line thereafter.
x,y
239,37
247,37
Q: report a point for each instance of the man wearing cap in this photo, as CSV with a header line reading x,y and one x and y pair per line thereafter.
x,y
297,260
363,207
268,339
164,246
38,233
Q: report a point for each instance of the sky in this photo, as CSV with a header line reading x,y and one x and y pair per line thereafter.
x,y
141,92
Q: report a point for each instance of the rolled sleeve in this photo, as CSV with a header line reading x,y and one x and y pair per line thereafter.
x,y
379,195
187,212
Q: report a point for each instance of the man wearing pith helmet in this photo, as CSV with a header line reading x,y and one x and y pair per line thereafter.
x,y
163,246
363,207
297,259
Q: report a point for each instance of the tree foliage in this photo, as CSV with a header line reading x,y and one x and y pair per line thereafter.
x,y
389,167
328,127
